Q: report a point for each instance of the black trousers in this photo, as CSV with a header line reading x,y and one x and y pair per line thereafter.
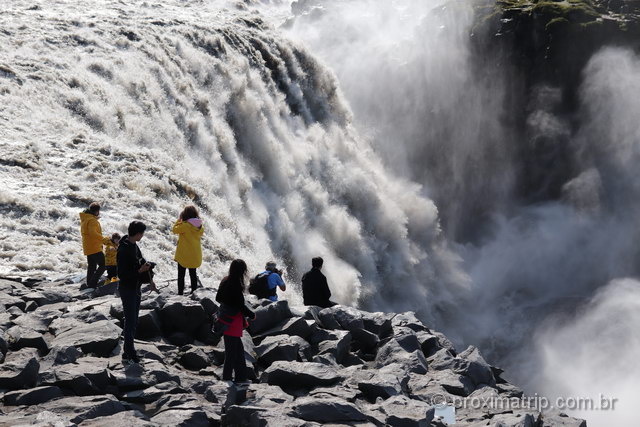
x,y
234,359
130,296
192,275
95,269
112,271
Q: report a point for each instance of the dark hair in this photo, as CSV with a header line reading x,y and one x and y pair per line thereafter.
x,y
189,212
317,262
136,227
237,272
94,208
115,236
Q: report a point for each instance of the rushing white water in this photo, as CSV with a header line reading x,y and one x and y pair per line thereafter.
x,y
146,107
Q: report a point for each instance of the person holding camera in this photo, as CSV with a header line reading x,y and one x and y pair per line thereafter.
x,y
232,314
133,270
274,280
188,255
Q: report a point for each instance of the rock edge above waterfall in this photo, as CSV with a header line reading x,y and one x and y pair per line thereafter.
x,y
60,350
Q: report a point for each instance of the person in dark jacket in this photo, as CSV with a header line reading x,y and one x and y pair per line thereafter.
x,y
315,289
131,265
233,312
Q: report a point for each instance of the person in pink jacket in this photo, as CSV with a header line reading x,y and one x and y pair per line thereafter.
x,y
189,228
233,312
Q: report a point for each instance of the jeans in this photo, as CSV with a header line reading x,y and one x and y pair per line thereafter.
x,y
95,269
130,296
192,275
234,359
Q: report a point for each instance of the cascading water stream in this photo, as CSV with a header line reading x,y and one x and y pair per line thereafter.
x,y
146,107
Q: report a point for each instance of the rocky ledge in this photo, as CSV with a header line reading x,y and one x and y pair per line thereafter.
x,y
61,365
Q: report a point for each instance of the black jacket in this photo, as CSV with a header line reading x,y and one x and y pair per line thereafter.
x,y
129,260
315,289
232,296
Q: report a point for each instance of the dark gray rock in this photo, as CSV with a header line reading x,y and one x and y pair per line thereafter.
x,y
88,376
10,301
20,369
477,369
269,316
4,347
15,311
127,418
181,417
267,396
47,296
386,382
60,356
19,337
393,352
300,375
78,408
33,396
282,347
107,289
31,306
402,411
207,298
377,323
365,340
408,320
136,377
445,343
294,326
149,325
339,391
327,410
338,346
509,420
153,393
39,320
509,390
429,343
99,338
181,317
559,419
194,358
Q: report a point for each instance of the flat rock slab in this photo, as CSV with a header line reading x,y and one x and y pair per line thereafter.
x,y
327,410
402,411
20,370
20,337
127,418
70,409
99,338
181,418
300,375
33,396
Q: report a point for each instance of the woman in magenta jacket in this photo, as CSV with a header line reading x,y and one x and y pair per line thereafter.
x,y
233,312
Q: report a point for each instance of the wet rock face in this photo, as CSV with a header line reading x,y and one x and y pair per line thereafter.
x,y
310,366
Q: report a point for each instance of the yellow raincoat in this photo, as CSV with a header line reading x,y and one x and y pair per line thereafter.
x,y
110,252
189,250
91,233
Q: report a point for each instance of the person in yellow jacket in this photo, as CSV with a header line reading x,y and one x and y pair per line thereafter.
x,y
92,243
190,228
110,253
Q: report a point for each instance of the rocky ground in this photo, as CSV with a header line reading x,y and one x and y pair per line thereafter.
x,y
61,365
